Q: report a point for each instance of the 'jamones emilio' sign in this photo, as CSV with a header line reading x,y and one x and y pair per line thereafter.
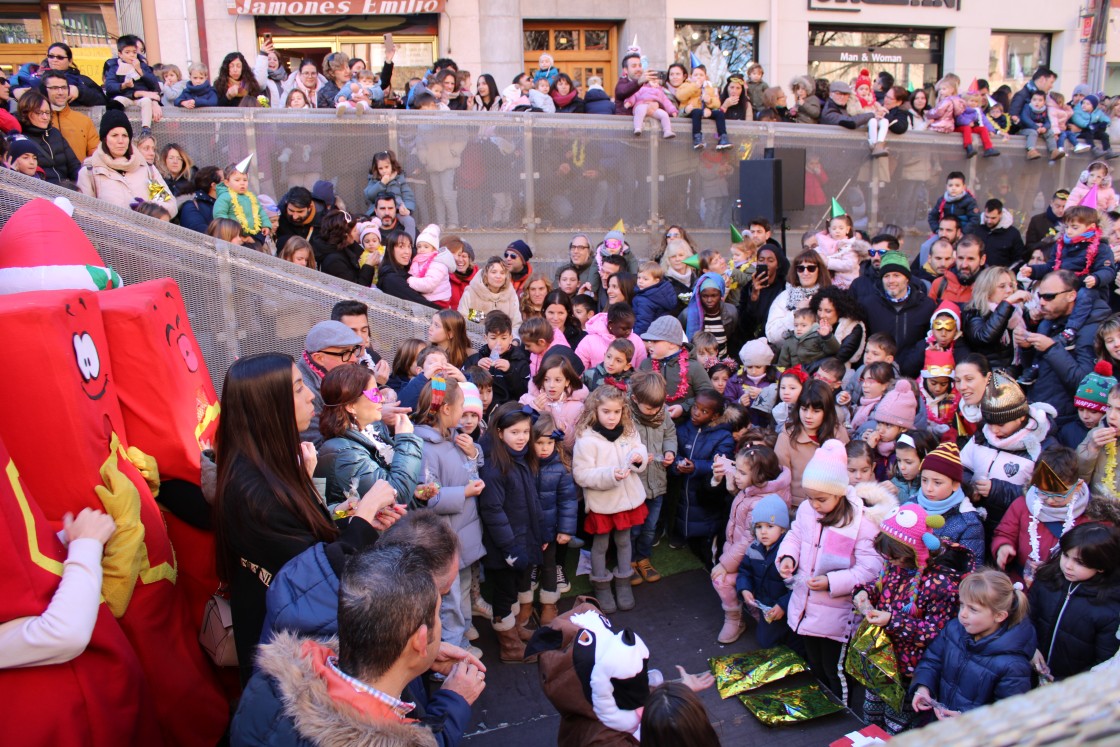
x,y
333,7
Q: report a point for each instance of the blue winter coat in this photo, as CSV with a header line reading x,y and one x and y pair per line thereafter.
x,y
596,101
559,500
964,674
758,574
146,82
197,212
1060,371
512,520
652,302
446,463
1074,259
965,529
352,456
203,95
303,596
964,207
703,509
1076,630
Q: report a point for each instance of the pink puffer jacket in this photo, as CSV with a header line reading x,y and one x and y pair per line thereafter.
x,y
593,347
845,554
740,527
943,117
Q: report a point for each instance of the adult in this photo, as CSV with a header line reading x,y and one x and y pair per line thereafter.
x,y
565,94
949,228
767,284
177,170
536,287
236,85
336,68
78,129
989,319
270,73
516,259
490,290
558,313
900,310
1061,369
307,81
835,110
1003,244
846,318
465,268
267,509
353,453
579,254
392,275
327,346
708,312
675,270
1044,228
487,97
807,275
671,233
355,315
632,78
342,257
918,106
620,288
869,268
762,232
57,160
80,90
971,375
956,283
197,212
116,172
1042,81
385,211
300,215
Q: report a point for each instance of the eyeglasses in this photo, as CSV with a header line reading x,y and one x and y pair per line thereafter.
x,y
41,112
57,57
345,356
579,246
1048,297
672,235
514,255
373,395
58,88
877,252
807,268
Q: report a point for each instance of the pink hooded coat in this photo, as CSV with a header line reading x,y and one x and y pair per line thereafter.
x,y
593,348
740,528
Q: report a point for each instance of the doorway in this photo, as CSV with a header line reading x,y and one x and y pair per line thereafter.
x,y
580,49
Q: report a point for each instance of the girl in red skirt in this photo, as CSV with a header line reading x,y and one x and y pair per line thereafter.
x,y
607,457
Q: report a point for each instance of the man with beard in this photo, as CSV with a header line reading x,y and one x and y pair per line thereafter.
x,y
385,210
516,260
956,284
901,310
1003,244
300,215
949,228
1044,228
942,256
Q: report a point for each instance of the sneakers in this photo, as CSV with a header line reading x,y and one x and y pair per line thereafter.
x,y
723,143
644,571
969,151
1033,154
676,543
534,577
481,608
1028,377
1067,337
637,133
1082,147
472,633
669,135
340,110
990,153
563,585
698,142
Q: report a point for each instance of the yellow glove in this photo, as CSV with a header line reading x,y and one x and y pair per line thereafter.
x,y
147,467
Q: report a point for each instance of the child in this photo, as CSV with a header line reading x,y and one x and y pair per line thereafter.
x,y
1034,122
702,513
845,263
705,347
471,422
788,390
982,656
909,451
940,398
720,374
584,308
941,495
839,227
615,370
744,258
973,121
810,341
387,175
827,553
1099,177
944,328
560,393
545,70
758,582
913,599
1075,602
559,503
1060,114
654,297
506,363
608,457
875,380
700,100
881,347
1091,123
756,86
813,419
684,375
404,363
657,432
430,271
894,414
171,83
650,101
539,98
616,323
999,118
132,84
942,116
1056,501
359,95
199,92
1091,401
236,202
23,156
512,523
861,462
1096,455
957,201
757,372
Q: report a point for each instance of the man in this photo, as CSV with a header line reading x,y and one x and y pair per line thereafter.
x,y
78,129
197,212
1042,81
630,81
884,81
1003,244
385,210
1044,228
835,110
300,216
1061,367
956,283
363,690
950,228
579,254
328,345
900,310
516,260
942,256
869,268
763,233
355,315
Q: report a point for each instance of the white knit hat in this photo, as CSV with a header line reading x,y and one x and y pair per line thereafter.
x,y
430,235
757,353
827,470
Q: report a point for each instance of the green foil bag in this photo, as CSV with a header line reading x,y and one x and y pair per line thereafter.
x,y
738,673
871,661
790,706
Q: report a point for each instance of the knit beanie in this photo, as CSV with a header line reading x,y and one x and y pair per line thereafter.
x,y
864,78
110,120
521,248
910,525
366,229
945,460
1093,100
827,470
616,235
894,261
771,510
430,235
472,400
21,146
1003,400
898,407
756,353
1092,392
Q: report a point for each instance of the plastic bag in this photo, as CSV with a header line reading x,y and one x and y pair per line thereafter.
x,y
739,673
871,661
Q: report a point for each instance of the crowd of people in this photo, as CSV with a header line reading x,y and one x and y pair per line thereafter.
x,y
842,439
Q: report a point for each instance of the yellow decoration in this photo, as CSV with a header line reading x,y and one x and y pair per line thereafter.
x,y
1110,466
250,229
620,226
745,151
49,565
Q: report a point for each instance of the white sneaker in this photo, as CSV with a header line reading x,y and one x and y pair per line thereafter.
x,y
340,110
1081,148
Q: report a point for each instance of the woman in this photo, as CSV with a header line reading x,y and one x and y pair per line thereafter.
x,y
236,85
350,457
621,287
671,233
486,97
844,314
56,158
117,173
558,313
736,105
972,376
465,268
336,68
812,422
198,209
707,312
533,294
342,259
774,100
675,270
767,284
83,91
267,511
566,96
919,105
270,73
448,331
808,275
177,169
991,317
307,81
675,76
490,290
392,276
453,95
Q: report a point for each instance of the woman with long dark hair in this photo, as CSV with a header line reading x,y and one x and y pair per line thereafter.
x,y
83,90
341,252
392,276
266,508
236,85
844,314
488,97
558,313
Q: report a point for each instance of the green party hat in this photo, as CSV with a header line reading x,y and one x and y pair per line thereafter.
x,y
693,261
736,235
837,210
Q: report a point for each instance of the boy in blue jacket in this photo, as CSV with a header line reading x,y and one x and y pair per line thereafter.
x,y
1091,124
131,83
654,296
956,201
759,584
198,93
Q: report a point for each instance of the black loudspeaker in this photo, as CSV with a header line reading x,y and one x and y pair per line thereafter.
x,y
793,177
760,190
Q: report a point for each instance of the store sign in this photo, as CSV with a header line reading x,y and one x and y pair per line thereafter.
x,y
333,7
864,56
853,6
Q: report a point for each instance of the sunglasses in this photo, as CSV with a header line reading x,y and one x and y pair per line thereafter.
x,y
877,252
57,57
1048,297
807,268
373,395
513,255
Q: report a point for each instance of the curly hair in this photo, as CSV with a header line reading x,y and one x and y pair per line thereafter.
x,y
248,81
845,304
336,228
589,416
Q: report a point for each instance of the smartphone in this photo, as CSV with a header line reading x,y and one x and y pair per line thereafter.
x,y
266,39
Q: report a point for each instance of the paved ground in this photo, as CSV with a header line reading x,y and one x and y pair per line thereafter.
x,y
678,618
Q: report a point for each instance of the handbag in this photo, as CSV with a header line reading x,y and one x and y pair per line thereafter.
x,y
872,662
216,634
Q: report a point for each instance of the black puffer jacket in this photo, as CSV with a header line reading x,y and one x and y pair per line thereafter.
x,y
985,334
343,263
1076,629
56,158
907,322
512,520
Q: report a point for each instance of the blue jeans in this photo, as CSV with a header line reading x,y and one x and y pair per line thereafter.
x,y
642,536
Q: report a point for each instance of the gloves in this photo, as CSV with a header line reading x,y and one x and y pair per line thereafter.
x,y
517,563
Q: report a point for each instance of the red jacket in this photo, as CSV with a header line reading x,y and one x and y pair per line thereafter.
x,y
459,284
1014,530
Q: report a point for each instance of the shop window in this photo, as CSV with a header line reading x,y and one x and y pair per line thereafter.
x,y
913,56
21,28
722,48
1013,58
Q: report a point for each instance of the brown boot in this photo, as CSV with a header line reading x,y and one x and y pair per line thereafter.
x,y
733,626
512,648
524,614
548,613
1033,154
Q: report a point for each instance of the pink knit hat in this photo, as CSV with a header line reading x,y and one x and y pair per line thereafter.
x,y
911,525
827,470
898,407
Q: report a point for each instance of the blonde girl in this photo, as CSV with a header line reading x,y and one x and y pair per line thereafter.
x,y
448,330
